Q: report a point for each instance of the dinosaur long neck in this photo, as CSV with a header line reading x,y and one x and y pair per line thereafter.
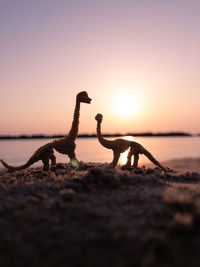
x,y
102,140
75,123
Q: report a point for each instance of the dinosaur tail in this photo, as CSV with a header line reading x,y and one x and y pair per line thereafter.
x,y
33,159
152,159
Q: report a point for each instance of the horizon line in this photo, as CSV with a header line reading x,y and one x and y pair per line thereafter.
x,y
94,135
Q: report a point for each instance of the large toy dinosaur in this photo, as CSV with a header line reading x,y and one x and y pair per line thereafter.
x,y
120,145
65,145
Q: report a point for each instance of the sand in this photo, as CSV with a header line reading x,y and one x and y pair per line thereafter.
x,y
185,164
99,216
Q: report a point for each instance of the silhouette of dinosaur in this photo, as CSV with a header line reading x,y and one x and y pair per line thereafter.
x,y
120,145
65,145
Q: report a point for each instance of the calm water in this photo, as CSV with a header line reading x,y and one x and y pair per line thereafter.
x,y
16,152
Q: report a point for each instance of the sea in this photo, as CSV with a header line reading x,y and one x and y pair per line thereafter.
x,y
18,151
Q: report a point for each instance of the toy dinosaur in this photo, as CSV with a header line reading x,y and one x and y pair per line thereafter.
x,y
120,145
65,145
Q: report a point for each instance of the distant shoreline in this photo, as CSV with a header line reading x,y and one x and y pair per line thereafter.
x,y
41,136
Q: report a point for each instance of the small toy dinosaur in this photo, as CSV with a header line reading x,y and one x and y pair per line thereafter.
x,y
65,145
121,145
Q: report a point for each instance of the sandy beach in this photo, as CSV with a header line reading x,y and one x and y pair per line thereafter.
x,y
99,216
186,164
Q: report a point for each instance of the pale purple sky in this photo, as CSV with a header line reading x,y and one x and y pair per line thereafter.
x,y
144,50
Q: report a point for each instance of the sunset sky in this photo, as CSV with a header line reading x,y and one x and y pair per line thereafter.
x,y
139,61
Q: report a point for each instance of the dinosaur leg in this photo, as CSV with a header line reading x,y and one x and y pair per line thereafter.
x,y
128,163
53,161
45,164
73,160
45,160
136,158
116,156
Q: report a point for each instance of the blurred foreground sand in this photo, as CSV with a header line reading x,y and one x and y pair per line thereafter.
x,y
99,216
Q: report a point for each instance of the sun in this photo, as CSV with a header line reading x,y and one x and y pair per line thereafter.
x,y
126,104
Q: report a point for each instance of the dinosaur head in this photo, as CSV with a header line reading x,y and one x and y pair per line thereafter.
x,y
83,97
99,117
